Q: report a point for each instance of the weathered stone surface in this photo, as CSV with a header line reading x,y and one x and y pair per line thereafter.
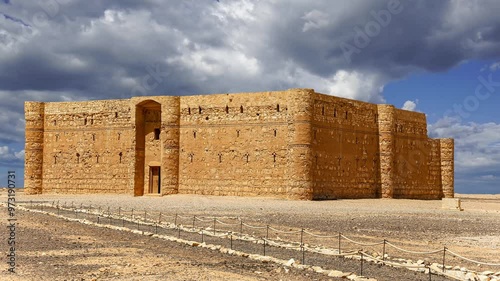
x,y
295,144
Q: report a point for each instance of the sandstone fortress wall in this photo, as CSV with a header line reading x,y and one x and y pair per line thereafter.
x,y
295,144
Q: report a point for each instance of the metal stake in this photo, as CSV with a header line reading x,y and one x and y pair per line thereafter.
x,y
383,251
361,273
444,256
231,241
340,236
214,224
264,247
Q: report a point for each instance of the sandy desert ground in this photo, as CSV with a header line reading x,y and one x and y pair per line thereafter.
x,y
52,249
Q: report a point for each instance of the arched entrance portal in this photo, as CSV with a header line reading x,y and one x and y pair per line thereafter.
x,y
148,148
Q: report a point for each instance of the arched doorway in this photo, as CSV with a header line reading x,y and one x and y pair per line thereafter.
x,y
148,148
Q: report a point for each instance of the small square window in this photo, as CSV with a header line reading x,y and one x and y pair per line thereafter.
x,y
157,134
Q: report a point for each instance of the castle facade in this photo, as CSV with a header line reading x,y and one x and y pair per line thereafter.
x,y
295,144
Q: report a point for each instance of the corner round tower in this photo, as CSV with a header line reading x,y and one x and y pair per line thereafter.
x,y
33,151
447,167
386,115
300,152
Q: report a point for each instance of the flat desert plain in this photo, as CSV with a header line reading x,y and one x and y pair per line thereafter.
x,y
50,248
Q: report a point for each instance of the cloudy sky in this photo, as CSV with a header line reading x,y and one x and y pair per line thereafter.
x,y
438,57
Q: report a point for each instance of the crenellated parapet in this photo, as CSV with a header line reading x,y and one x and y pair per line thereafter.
x,y
33,169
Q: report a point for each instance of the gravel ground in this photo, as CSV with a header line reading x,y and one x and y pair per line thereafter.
x,y
53,249
411,224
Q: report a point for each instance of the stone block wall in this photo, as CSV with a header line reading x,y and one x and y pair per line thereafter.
x,y
417,172
295,144
345,148
87,147
245,144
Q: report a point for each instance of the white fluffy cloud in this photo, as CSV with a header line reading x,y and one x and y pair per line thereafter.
x,y
7,155
410,105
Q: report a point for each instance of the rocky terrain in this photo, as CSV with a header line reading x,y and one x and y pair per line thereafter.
x,y
53,249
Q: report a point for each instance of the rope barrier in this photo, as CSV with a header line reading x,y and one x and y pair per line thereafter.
x,y
256,227
343,254
362,244
286,232
471,260
272,243
413,252
320,236
202,220
224,223
100,211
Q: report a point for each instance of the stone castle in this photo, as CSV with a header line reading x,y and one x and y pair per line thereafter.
x,y
295,144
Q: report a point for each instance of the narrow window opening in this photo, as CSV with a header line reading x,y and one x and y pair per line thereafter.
x,y
157,134
199,109
237,133
334,112
116,114
220,157
246,157
120,154
274,157
206,118
93,137
275,132
194,134
191,156
78,158
85,121
323,110
119,135
97,158
91,121
57,137
346,114
189,110
55,122
278,107
55,159
227,109
241,109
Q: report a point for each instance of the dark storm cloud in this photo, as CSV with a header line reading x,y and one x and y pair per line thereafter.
x,y
76,50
